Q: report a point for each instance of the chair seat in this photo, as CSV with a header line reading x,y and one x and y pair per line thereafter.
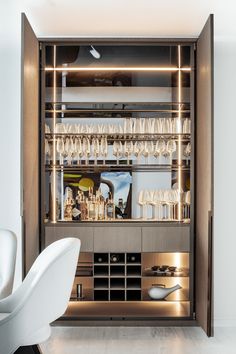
x,y
3,315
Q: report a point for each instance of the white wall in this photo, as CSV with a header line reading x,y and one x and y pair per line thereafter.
x,y
225,191
10,123
125,18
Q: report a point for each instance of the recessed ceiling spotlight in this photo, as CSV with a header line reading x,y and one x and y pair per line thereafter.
x,y
95,53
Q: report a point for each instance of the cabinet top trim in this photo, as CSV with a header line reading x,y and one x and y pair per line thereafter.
x,y
116,40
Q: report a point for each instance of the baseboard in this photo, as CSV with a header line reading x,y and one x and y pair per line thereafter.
x,y
126,323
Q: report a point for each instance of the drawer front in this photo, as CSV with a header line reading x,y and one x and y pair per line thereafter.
x,y
166,239
85,234
117,239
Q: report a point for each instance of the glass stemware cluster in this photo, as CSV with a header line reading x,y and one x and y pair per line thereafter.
x,y
164,203
76,148
137,137
146,149
73,149
157,126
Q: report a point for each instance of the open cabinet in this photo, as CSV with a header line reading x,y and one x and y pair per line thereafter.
x,y
122,150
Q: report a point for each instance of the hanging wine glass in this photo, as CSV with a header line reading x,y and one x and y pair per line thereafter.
x,y
104,149
128,150
71,150
171,148
47,151
60,149
96,149
138,148
86,149
187,150
79,150
116,151
67,148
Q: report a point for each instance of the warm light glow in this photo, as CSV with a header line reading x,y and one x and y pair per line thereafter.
x,y
179,138
177,259
178,308
54,141
117,69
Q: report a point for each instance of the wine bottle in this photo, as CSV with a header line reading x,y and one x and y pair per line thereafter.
x,y
110,208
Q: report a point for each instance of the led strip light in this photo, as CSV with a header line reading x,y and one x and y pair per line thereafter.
x,y
172,69
54,214
179,138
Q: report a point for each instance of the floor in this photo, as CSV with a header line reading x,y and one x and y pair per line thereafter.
x,y
129,340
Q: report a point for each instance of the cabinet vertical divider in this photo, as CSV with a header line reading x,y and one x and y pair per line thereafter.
x,y
109,273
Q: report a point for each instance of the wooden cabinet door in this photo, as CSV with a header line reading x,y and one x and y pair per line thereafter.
x,y
204,176
30,143
85,234
117,239
166,239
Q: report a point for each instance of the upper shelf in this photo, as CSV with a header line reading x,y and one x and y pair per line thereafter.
x,y
116,106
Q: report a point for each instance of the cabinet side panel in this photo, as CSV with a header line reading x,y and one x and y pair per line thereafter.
x,y
30,141
204,177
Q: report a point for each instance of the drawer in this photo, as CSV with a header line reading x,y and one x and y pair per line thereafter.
x,y
117,239
85,234
166,239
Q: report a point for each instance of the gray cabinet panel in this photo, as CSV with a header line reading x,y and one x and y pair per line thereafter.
x,y
85,234
165,239
117,239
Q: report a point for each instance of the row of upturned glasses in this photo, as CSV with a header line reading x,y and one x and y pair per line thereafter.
x,y
163,203
130,126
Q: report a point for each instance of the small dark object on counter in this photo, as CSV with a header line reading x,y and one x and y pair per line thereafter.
x,y
155,268
163,268
172,268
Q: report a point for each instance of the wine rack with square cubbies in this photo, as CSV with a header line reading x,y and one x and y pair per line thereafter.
x,y
117,276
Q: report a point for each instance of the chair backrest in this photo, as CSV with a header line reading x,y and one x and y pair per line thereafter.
x,y
8,247
44,294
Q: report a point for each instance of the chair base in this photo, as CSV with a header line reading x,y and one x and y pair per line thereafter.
x,y
29,349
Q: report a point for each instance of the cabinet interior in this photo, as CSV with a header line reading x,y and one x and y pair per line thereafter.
x,y
117,171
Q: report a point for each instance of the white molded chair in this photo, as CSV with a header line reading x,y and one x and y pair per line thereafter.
x,y
8,246
41,298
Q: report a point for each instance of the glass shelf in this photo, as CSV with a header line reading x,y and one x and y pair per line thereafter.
x,y
123,137
115,167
